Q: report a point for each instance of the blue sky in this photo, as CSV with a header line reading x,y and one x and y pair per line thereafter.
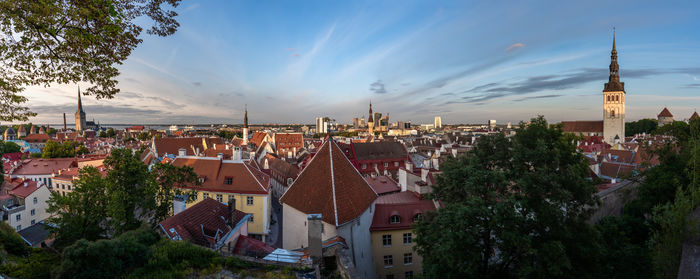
x,y
467,61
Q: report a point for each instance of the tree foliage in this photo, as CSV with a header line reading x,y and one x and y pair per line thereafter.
x,y
514,207
48,41
66,149
646,125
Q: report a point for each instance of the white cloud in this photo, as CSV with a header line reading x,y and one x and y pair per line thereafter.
x,y
514,46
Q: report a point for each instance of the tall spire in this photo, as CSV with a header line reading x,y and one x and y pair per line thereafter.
x,y
370,119
245,117
614,83
80,102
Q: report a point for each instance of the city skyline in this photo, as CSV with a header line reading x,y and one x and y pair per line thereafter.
x,y
453,60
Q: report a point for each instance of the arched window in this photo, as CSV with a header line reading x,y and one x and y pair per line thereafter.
x,y
617,98
612,113
608,98
394,219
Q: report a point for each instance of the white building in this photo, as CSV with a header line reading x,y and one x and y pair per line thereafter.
x,y
438,122
321,125
26,204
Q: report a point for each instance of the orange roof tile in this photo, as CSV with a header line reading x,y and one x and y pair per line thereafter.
x,y
214,171
582,126
44,166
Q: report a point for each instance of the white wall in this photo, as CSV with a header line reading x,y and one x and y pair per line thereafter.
x,y
296,230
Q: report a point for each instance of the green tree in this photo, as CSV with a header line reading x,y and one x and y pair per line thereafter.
x,y
513,208
70,42
646,125
110,133
82,213
143,136
9,147
103,134
82,150
169,177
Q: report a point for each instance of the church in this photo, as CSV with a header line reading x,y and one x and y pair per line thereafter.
x,y
612,128
80,122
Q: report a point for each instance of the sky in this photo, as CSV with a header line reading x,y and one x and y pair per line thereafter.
x,y
466,61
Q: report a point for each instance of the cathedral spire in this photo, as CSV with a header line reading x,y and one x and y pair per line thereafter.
x,y
614,83
245,117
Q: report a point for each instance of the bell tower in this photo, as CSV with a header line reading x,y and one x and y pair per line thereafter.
x,y
614,103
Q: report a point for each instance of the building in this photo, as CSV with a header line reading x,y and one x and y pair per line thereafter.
x,y
392,236
377,158
331,187
583,128
287,144
209,223
614,103
37,141
321,125
492,124
437,123
25,204
355,123
80,122
245,127
10,134
282,173
21,132
665,117
43,170
694,116
370,121
224,180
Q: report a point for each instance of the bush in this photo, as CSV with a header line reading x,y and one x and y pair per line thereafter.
x,y
174,259
38,265
11,241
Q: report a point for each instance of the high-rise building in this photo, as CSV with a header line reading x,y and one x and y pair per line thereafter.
x,y
492,124
438,122
614,102
356,123
321,125
80,115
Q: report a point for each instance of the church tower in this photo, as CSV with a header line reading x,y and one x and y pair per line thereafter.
x,y
370,121
79,115
614,103
245,126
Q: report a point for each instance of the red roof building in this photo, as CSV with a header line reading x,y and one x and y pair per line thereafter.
x,y
287,144
215,174
381,158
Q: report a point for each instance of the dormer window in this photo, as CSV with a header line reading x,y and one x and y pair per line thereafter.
x,y
417,217
228,180
394,219
202,179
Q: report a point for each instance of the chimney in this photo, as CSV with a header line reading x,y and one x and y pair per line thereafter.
x,y
197,151
220,156
231,210
215,146
424,174
26,184
436,163
236,154
181,152
409,166
315,231
64,122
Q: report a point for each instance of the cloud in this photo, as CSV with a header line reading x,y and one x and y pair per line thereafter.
x,y
514,46
196,83
377,87
692,85
106,110
190,7
538,97
294,55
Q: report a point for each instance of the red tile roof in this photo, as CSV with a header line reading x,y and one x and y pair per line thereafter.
x,y
620,156
404,204
383,184
248,246
44,166
289,140
582,126
694,116
379,151
246,179
615,170
25,188
36,138
207,216
330,185
258,138
173,145
665,113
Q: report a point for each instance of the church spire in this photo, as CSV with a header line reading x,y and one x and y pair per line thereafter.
x,y
370,119
80,102
614,83
245,117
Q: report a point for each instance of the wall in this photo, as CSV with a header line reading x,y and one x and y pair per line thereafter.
x,y
614,199
260,209
397,250
42,194
356,234
295,235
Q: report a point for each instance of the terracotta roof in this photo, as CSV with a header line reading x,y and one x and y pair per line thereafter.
x,y
330,185
281,166
379,151
258,137
173,145
582,126
44,166
404,204
207,216
214,171
383,184
248,246
665,113
615,170
620,156
227,153
25,188
694,116
289,140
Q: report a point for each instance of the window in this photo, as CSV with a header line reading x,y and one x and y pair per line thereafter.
x,y
364,166
32,212
249,200
394,219
68,187
608,98
290,181
612,113
417,218
388,261
396,164
408,258
33,221
18,217
219,198
19,227
63,186
408,275
386,240
617,98
407,238
251,218
205,196
386,164
35,200
228,180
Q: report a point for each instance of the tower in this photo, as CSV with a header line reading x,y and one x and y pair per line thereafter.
x,y
614,103
79,115
370,121
245,126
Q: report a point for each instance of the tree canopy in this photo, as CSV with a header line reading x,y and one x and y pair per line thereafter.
x,y
646,125
48,41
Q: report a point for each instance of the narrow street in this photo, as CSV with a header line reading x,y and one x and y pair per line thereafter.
x,y
275,236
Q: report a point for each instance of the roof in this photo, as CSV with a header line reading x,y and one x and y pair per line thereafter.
x,y
248,246
614,170
173,145
331,186
694,116
383,184
289,140
665,113
25,188
258,137
44,166
208,216
36,138
34,234
282,166
214,171
620,156
582,126
404,204
380,151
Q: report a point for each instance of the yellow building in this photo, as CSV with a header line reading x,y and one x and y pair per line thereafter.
x,y
225,179
392,237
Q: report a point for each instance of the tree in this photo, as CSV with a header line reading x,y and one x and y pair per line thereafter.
x,y
103,134
9,147
54,149
646,125
82,214
513,208
143,136
82,150
44,42
168,178
110,133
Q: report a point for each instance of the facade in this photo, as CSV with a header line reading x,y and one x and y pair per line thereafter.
x,y
379,158
37,141
43,170
321,125
80,122
437,123
282,173
614,103
224,180
287,144
25,205
392,236
665,117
